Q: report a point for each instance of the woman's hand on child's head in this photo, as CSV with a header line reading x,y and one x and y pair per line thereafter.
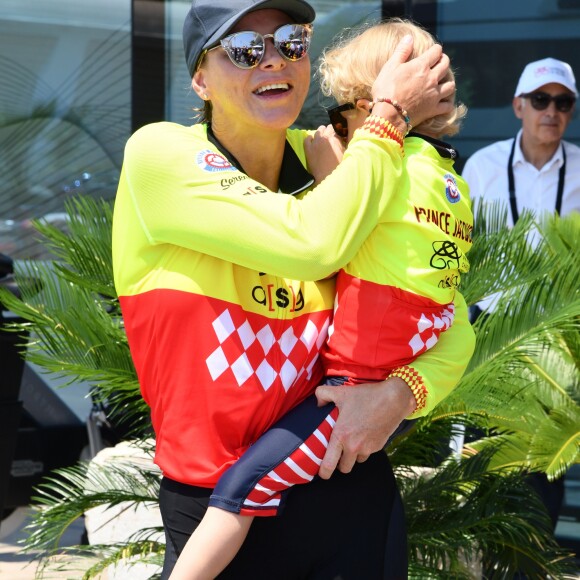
x,y
416,84
324,151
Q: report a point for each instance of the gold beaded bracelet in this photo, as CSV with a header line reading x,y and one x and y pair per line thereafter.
x,y
398,108
415,383
381,127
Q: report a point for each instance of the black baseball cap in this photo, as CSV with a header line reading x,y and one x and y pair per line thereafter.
x,y
208,21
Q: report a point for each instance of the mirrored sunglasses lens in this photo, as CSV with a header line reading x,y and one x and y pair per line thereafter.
x,y
245,49
292,41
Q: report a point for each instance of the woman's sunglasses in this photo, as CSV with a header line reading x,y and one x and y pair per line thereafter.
x,y
338,121
541,101
246,49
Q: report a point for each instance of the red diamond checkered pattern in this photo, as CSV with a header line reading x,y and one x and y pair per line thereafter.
x,y
429,327
271,354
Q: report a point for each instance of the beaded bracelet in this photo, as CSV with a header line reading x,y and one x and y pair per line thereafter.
x,y
415,383
398,107
383,128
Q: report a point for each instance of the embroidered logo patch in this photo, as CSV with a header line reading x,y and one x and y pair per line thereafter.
x,y
451,189
211,161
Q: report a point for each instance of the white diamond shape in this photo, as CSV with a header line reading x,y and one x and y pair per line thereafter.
x,y
266,374
223,326
288,375
217,363
431,341
266,338
288,341
246,334
323,333
309,335
416,343
438,323
242,369
311,366
424,323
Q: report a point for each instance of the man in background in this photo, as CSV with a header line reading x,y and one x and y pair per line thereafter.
x,y
535,170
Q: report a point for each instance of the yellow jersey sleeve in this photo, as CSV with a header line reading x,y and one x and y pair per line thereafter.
x,y
219,211
442,366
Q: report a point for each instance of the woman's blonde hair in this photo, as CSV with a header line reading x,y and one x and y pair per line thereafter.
x,y
348,70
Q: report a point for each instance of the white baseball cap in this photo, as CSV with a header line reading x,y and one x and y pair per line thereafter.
x,y
541,72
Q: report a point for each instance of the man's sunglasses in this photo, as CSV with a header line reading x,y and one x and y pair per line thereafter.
x,y
541,101
338,121
246,49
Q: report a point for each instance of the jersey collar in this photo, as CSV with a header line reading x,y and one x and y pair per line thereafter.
x,y
444,149
294,178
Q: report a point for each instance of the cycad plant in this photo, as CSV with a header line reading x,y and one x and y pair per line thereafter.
x,y
469,515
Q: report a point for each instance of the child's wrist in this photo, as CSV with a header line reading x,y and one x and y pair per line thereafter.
x,y
389,113
384,129
414,382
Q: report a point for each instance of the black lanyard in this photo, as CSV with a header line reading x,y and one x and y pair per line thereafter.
x,y
512,187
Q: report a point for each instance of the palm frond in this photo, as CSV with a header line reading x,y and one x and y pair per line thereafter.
x,y
84,251
72,310
128,554
94,560
463,508
69,493
522,323
501,258
562,235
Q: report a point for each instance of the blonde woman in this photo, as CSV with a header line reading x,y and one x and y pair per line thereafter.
x,y
393,300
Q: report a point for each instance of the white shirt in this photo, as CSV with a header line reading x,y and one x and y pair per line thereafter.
x,y
486,173
487,176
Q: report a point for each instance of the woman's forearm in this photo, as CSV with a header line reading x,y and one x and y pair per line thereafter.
x,y
305,239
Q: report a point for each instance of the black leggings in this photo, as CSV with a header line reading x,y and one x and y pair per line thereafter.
x,y
350,527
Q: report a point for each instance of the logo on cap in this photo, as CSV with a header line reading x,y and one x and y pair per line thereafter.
x,y
211,161
546,70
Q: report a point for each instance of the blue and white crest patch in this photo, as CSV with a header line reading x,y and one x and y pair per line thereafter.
x,y
211,161
451,190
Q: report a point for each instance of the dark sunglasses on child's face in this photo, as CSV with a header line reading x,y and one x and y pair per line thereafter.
x,y
541,101
338,121
246,49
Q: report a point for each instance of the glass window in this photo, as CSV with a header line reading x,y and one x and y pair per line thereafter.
x,y
489,52
65,109
331,17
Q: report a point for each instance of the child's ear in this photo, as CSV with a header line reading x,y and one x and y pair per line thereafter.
x,y
363,104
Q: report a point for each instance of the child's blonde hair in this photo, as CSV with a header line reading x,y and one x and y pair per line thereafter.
x,y
349,68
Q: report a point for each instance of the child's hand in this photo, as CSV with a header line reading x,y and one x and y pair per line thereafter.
x,y
324,151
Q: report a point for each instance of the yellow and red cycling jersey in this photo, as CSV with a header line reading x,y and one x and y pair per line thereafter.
x,y
396,295
210,266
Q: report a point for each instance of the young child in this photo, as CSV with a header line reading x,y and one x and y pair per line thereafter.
x,y
393,299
